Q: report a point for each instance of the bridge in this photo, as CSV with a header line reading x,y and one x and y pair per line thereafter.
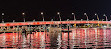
x,y
19,25
53,22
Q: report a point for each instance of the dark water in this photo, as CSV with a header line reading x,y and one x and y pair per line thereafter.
x,y
78,38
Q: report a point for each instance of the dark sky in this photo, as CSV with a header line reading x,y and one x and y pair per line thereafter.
x,y
14,8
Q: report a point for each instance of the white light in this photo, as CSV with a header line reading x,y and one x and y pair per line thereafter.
x,y
72,13
41,13
95,14
23,13
58,13
85,14
104,26
87,24
2,13
104,15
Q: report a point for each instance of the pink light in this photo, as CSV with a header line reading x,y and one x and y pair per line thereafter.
x,y
54,22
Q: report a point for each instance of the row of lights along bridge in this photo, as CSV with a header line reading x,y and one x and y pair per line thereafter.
x,y
58,13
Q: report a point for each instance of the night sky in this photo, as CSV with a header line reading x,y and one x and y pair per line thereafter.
x,y
13,9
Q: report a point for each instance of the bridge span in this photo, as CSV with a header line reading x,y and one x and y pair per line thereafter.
x,y
52,22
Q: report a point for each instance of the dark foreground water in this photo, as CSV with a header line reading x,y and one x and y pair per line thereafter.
x,y
79,38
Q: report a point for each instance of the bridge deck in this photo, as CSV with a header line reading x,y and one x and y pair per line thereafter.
x,y
52,22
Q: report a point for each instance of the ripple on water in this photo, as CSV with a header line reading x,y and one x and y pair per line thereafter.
x,y
78,38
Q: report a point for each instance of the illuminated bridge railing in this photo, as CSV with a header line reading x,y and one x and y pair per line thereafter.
x,y
52,22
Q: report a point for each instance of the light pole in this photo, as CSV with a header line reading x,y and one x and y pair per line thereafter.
x,y
106,17
86,16
23,16
74,16
97,16
74,19
106,20
42,15
101,24
102,19
2,17
110,17
58,13
44,26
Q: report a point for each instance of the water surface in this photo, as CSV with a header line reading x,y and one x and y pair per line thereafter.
x,y
78,38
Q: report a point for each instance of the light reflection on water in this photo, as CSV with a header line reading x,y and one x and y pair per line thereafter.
x,y
78,38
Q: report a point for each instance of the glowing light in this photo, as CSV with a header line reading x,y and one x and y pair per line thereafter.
x,y
3,14
42,13
23,13
72,13
104,15
58,13
85,14
95,14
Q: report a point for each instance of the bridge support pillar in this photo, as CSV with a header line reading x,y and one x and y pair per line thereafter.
x,y
61,25
58,25
8,27
13,27
2,28
101,25
68,25
44,27
17,28
23,27
108,25
49,25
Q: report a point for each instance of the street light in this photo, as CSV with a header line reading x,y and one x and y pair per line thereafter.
x,y
23,16
106,17
42,15
86,16
2,17
58,13
97,16
74,19
74,16
106,20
